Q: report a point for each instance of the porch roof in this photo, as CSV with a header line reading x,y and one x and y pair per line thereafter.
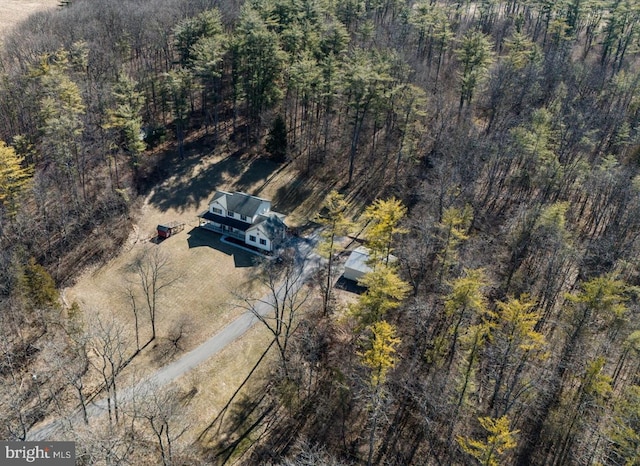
x,y
228,221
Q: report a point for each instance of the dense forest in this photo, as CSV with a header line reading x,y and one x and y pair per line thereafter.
x,y
492,147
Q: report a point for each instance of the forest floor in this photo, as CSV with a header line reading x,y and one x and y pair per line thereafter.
x,y
14,11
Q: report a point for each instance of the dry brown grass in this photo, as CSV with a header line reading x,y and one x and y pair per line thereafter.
x,y
14,11
208,274
211,275
216,380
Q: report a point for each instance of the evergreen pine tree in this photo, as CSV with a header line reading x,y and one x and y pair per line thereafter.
x,y
276,144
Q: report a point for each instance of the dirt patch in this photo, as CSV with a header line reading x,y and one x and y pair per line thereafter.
x,y
14,11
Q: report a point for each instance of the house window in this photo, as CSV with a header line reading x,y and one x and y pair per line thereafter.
x,y
243,218
217,211
263,242
252,238
230,214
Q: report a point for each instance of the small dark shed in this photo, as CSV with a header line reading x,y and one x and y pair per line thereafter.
x,y
169,229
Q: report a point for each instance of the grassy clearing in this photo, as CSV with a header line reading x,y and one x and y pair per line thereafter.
x,y
14,11
210,274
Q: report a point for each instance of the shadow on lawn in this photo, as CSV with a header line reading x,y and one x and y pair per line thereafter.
x,y
199,237
301,190
182,187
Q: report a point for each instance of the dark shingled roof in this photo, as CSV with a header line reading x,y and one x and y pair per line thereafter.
x,y
272,224
244,204
230,222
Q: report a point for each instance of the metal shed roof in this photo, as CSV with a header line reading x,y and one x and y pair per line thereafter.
x,y
358,260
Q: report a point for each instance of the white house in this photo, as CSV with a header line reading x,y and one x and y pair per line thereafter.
x,y
247,218
356,266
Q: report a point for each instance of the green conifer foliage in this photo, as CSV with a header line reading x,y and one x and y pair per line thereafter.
x,y
276,144
491,451
14,177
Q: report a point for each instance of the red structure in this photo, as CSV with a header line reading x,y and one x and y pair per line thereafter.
x,y
166,230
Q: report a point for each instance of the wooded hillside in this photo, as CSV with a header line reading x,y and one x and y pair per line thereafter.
x,y
493,147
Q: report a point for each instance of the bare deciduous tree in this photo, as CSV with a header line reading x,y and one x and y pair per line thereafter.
x,y
278,310
160,409
153,271
71,362
109,346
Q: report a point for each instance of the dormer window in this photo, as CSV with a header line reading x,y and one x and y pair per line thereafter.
x,y
231,214
244,218
215,210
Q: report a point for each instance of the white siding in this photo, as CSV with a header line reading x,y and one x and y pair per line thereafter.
x,y
353,274
217,205
259,235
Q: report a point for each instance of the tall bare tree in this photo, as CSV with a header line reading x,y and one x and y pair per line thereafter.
x,y
153,271
109,346
279,309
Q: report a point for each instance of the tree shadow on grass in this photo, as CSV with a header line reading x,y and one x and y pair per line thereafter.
x,y
288,197
246,417
185,188
183,185
300,191
199,237
257,170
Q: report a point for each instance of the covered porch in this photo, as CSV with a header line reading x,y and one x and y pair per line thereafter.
x,y
222,225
